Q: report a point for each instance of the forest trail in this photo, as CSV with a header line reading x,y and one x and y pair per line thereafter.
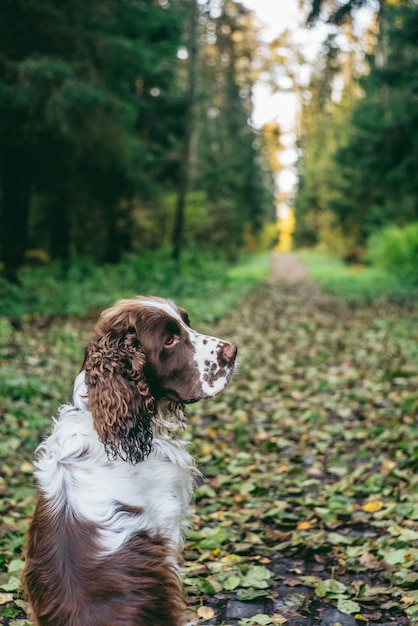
x,y
287,268
311,509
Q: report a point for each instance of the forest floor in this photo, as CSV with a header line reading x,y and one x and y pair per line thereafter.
x,y
308,514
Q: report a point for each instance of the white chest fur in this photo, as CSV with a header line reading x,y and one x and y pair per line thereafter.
x,y
120,499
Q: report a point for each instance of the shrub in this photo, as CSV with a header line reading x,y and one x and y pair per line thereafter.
x,y
395,249
207,286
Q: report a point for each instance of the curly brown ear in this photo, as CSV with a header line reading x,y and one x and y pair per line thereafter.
x,y
119,397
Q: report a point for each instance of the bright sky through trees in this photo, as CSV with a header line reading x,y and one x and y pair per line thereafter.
x,y
276,16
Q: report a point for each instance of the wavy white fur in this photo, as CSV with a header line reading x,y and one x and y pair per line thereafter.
x,y
75,474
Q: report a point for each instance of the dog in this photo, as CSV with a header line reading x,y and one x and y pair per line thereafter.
x,y
115,480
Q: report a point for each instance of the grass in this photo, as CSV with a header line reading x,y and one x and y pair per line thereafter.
x,y
357,284
208,285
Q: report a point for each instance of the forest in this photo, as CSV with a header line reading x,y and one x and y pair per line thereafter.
x,y
126,126
359,137
130,163
117,122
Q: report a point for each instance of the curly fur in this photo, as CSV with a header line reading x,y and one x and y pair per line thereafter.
x,y
120,399
115,480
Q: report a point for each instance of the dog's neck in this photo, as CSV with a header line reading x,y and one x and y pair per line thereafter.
x,y
168,420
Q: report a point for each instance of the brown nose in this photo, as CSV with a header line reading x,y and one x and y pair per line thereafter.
x,y
229,352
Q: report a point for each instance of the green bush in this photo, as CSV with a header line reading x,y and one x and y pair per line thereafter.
x,y
395,249
207,286
357,284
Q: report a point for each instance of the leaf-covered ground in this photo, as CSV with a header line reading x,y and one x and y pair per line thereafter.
x,y
308,514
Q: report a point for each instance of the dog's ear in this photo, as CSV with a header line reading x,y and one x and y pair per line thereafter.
x,y
119,397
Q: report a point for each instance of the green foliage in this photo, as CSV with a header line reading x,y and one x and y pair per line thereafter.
x,y
395,249
87,287
359,155
93,103
361,284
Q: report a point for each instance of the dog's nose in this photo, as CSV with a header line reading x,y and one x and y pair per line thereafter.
x,y
229,352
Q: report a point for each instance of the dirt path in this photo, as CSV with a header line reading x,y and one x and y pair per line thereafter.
x,y
308,458
287,268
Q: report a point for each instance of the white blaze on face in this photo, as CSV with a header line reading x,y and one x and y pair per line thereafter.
x,y
214,372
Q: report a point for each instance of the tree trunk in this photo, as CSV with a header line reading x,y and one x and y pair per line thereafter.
x,y
59,219
16,192
178,230
113,251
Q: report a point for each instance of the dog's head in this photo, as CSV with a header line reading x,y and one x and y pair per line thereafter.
x,y
142,354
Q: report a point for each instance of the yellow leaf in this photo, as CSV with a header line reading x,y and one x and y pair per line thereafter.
x,y
373,506
360,618
205,612
26,467
278,619
217,515
5,598
303,526
284,468
387,466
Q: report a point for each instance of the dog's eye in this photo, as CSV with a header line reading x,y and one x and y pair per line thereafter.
x,y
170,340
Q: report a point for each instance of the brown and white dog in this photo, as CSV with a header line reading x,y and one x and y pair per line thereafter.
x,y
115,481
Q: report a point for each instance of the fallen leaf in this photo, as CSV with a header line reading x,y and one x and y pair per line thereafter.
x,y
348,607
205,612
330,586
370,561
5,598
373,506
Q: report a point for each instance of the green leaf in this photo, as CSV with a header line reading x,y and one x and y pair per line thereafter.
x,y
257,576
12,584
329,586
16,565
207,586
348,607
232,582
263,620
250,594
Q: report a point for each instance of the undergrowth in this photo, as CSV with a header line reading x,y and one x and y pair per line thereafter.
x,y
207,285
361,284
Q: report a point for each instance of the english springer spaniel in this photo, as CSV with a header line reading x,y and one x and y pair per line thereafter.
x,y
115,481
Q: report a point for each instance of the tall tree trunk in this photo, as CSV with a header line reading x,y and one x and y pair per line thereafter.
x,y
113,249
59,219
16,192
193,49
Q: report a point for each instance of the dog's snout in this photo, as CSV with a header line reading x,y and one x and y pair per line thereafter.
x,y
229,352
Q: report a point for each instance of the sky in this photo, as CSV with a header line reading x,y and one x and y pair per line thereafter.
x,y
274,17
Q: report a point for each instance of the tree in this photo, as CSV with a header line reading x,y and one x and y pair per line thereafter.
x,y
379,160
77,85
369,175
233,172
185,162
324,127
101,116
